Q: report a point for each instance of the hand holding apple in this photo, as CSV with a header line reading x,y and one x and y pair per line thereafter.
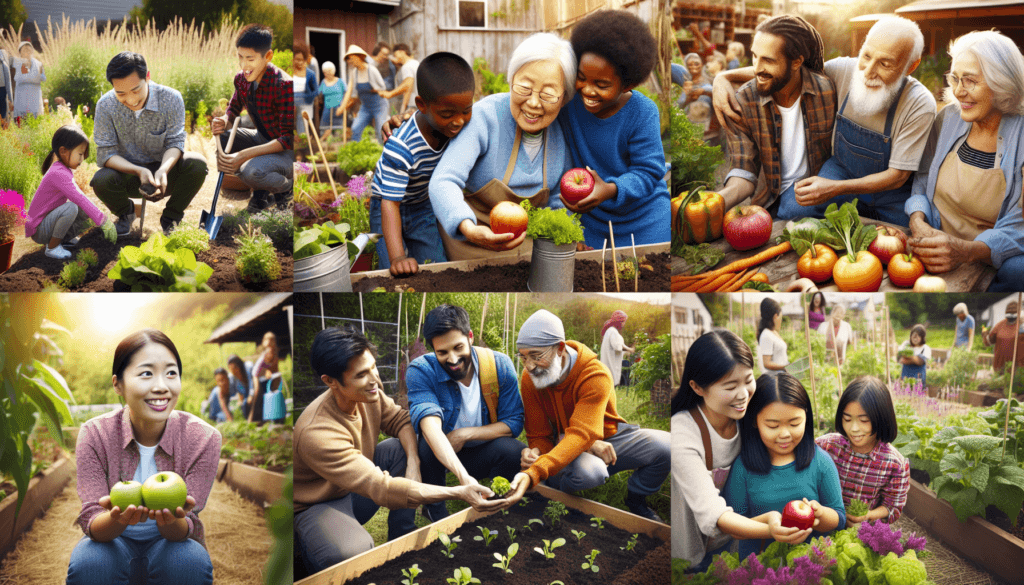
x,y
888,243
576,185
126,493
481,235
799,514
167,516
508,218
602,191
783,533
165,490
127,517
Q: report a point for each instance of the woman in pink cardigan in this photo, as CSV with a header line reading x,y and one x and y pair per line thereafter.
x,y
145,437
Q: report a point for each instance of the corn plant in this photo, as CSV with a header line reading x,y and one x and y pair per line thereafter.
x,y
579,534
410,575
589,561
462,576
504,560
486,536
631,543
549,547
449,544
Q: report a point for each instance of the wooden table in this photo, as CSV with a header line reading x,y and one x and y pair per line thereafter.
x,y
974,277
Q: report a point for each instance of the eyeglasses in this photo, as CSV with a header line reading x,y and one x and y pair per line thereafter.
x,y
535,358
968,83
545,96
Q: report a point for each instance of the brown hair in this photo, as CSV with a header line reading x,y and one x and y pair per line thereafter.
x,y
801,39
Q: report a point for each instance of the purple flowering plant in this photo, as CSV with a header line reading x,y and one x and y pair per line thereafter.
x,y
884,538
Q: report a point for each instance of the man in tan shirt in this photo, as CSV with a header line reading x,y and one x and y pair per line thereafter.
x,y
342,475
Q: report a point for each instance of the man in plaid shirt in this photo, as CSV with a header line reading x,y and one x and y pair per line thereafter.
x,y
787,113
263,157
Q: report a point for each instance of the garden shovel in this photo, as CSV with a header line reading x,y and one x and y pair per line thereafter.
x,y
209,220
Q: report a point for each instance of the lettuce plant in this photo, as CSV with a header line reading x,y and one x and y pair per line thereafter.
x,y
319,238
504,560
152,267
557,225
486,536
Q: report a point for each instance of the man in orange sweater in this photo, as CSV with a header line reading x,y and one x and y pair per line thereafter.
x,y
342,475
577,439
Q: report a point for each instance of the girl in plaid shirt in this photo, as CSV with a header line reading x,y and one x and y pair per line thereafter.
x,y
870,468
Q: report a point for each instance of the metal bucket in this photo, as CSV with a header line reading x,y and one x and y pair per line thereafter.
x,y
551,267
324,272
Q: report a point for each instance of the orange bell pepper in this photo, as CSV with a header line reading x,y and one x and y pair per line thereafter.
x,y
702,216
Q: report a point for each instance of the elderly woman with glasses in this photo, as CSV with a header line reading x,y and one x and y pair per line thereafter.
x,y
509,151
965,206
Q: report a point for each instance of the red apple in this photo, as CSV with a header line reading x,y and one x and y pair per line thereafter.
x,y
888,243
930,284
577,185
508,218
904,270
747,227
798,514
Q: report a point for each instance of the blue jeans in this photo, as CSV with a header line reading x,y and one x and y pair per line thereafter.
x,y
497,457
125,560
645,450
1010,277
375,110
886,207
329,120
419,232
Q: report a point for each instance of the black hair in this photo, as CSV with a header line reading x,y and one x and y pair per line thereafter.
x,y
378,47
402,47
335,347
130,345
441,74
233,359
69,137
920,330
220,371
710,358
442,319
620,38
778,388
257,37
818,295
769,308
874,398
124,64
800,40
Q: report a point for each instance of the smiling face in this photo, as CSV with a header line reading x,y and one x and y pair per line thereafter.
x,y
298,62
453,352
221,380
772,70
132,91
857,426
915,338
781,427
26,51
360,382
975,104
448,114
73,158
599,85
729,396
694,67
150,386
531,113
252,63
880,70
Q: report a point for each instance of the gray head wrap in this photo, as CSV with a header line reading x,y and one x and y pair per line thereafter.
x,y
542,329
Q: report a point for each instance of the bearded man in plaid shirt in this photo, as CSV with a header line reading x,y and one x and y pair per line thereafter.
x,y
263,157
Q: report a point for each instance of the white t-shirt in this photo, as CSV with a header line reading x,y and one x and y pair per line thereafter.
x,y
922,350
147,467
771,344
409,70
471,414
794,145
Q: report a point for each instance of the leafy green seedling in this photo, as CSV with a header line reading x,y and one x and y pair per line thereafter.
x,y
631,543
590,559
487,536
579,534
857,508
511,534
529,525
500,486
525,500
597,523
555,511
462,576
88,256
549,547
504,560
410,575
72,275
449,544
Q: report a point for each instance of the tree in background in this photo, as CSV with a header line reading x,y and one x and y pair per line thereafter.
x,y
12,13
212,12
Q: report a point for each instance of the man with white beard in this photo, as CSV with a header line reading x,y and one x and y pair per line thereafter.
x,y
881,127
576,437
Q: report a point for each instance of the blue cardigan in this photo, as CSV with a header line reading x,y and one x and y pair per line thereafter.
x,y
1006,238
311,88
432,392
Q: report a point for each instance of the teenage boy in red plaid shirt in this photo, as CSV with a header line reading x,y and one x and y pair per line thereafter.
x,y
263,157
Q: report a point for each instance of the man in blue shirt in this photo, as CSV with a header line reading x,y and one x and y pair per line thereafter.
x,y
964,327
465,405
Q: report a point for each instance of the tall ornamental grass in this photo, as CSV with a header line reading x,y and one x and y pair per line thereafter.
x,y
22,150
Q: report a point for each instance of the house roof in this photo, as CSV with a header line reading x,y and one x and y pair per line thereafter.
x,y
251,323
940,5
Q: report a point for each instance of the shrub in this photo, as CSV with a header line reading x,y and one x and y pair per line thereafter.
x,y
256,260
87,256
355,158
18,171
78,75
693,161
72,275
490,83
190,237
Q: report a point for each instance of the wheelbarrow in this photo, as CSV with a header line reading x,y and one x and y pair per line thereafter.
x,y
209,220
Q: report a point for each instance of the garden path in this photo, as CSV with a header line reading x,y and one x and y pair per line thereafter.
x,y
236,535
945,567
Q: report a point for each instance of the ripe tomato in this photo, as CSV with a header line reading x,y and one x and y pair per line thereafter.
x,y
818,269
904,270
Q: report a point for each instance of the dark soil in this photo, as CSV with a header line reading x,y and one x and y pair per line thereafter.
x,y
513,277
997,517
648,563
33,271
921,477
7,488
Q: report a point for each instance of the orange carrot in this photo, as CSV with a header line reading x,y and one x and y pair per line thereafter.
x,y
754,260
698,284
739,284
729,282
717,282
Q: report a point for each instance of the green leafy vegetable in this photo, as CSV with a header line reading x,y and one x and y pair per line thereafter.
x,y
857,508
190,237
804,233
256,260
557,225
153,268
73,274
701,256
846,224
319,238
759,286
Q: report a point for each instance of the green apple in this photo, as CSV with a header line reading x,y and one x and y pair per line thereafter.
x,y
126,493
164,490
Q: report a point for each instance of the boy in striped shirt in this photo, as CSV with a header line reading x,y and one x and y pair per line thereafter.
x,y
399,204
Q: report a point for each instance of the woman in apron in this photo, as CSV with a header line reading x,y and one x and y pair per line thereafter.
x,y
28,77
509,151
966,201
366,82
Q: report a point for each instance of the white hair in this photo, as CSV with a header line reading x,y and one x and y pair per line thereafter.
x,y
328,66
960,308
546,47
1002,66
736,49
896,27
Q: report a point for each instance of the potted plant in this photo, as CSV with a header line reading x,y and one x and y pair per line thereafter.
x,y
12,215
555,233
321,261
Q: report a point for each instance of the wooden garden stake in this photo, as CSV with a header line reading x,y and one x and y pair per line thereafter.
x,y
835,353
398,334
810,353
615,265
316,138
604,287
1013,368
512,330
423,310
888,372
483,314
636,273
362,320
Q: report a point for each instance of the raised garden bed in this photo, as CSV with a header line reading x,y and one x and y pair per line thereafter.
x,y
648,563
996,550
255,484
41,490
511,273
